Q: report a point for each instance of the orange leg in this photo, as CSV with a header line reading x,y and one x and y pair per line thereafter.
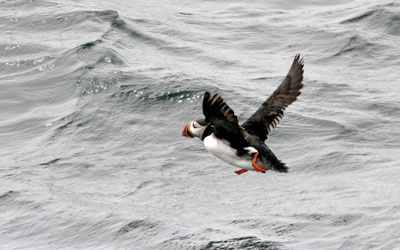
x,y
256,166
241,171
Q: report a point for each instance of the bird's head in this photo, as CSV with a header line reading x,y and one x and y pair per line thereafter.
x,y
194,128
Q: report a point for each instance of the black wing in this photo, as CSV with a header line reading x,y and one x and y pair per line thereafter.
x,y
267,117
224,120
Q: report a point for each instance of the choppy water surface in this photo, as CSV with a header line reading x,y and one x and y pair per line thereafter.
x,y
94,96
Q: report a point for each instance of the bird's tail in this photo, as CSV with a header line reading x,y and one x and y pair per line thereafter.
x,y
281,167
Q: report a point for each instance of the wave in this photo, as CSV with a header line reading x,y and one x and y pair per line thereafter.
x,y
357,44
28,5
248,242
5,197
382,18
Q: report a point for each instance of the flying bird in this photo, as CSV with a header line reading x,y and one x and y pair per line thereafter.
x,y
243,145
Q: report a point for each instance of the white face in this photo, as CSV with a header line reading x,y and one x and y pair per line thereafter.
x,y
196,129
193,129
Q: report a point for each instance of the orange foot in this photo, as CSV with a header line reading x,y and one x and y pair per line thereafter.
x,y
241,171
256,166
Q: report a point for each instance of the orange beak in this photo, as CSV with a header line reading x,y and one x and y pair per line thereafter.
x,y
186,131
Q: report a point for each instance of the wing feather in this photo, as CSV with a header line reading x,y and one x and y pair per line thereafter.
x,y
224,120
268,116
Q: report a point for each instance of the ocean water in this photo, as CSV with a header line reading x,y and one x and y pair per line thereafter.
x,y
94,96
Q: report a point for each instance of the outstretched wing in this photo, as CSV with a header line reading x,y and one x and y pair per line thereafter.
x,y
223,119
268,116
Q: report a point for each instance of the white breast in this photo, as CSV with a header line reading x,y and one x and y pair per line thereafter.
x,y
221,149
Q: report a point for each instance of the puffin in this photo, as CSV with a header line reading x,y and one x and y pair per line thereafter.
x,y
243,146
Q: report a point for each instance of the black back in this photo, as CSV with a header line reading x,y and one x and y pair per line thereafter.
x,y
224,121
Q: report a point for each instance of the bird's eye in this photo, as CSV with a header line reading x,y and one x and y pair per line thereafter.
x,y
194,125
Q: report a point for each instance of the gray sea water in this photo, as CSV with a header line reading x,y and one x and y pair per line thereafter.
x,y
94,96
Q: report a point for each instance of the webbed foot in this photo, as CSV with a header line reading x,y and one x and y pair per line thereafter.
x,y
256,166
241,171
